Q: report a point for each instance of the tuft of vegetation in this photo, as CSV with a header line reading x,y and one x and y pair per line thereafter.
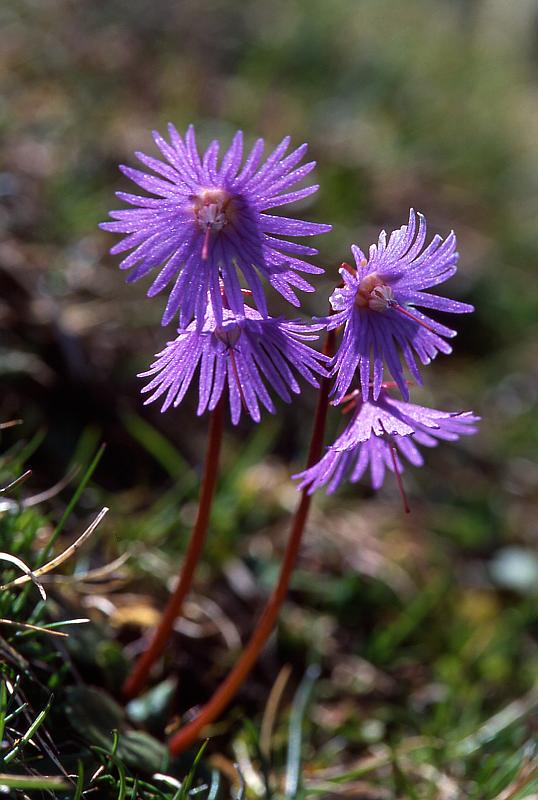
x,y
436,699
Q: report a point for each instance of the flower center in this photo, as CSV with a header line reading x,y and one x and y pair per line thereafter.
x,y
374,294
210,206
228,334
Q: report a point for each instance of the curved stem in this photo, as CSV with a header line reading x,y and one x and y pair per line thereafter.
x,y
231,684
138,676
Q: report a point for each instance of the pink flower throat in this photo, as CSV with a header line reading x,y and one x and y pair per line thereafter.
x,y
374,294
211,208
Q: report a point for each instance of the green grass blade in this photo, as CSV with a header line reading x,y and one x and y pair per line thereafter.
x,y
80,782
30,732
386,642
159,447
258,444
183,792
298,710
3,709
15,713
28,782
74,500
122,775
27,451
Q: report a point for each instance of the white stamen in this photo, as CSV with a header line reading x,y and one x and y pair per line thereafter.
x,y
381,298
211,208
212,216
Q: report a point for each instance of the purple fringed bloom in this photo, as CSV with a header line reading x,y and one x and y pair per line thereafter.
x,y
377,435
246,351
377,306
207,222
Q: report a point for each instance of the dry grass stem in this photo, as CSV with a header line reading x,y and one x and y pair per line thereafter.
x,y
59,559
28,626
28,574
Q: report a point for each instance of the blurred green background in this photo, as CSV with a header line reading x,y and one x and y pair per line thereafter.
x,y
424,103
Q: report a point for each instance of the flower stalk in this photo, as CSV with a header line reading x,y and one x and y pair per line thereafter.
x,y
137,679
227,690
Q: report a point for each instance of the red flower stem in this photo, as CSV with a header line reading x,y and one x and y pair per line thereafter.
x,y
138,676
243,666
399,481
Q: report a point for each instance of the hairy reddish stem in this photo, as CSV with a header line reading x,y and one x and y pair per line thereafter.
x,y
138,676
248,658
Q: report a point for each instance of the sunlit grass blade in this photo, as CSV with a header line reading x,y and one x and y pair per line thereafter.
x,y
29,575
49,783
29,628
16,482
214,785
295,735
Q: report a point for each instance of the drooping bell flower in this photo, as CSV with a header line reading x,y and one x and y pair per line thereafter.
x,y
378,305
377,436
247,353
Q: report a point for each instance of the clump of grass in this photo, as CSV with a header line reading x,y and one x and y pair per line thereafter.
x,y
419,690
60,738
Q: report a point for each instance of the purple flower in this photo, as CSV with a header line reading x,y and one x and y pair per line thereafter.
x,y
377,435
377,306
207,222
246,351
